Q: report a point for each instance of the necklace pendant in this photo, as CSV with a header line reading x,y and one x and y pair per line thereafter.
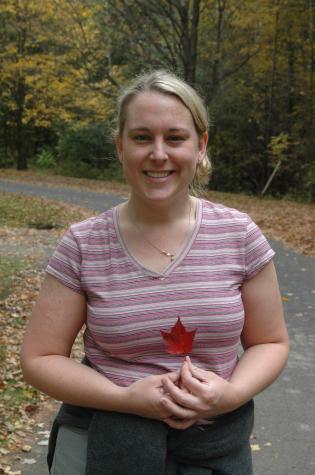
x,y
168,254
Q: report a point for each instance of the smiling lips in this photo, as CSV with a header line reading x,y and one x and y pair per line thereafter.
x,y
158,174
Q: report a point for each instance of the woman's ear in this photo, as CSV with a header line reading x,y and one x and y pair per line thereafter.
x,y
203,142
119,151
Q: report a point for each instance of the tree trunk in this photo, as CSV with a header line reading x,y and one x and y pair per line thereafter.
x,y
271,177
312,64
217,54
291,84
21,160
189,42
193,42
271,98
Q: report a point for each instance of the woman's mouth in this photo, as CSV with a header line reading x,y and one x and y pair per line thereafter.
x,y
158,174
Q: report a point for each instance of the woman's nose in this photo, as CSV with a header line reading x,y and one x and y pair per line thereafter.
x,y
158,151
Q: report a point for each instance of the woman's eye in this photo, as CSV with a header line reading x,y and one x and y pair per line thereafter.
x,y
175,138
142,138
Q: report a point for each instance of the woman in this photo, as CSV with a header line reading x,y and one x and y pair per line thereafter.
x,y
129,274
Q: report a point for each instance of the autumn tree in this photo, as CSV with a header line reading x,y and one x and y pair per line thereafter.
x,y
265,101
47,70
23,65
159,34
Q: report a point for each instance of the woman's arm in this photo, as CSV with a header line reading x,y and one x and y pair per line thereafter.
x,y
265,342
58,316
264,337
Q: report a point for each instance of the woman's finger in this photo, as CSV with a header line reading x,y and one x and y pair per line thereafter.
x,y
192,381
180,395
177,410
175,376
179,424
200,374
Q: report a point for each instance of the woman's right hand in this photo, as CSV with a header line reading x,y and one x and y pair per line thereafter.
x,y
145,397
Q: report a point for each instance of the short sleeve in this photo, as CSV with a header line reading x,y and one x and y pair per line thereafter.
x,y
65,263
257,250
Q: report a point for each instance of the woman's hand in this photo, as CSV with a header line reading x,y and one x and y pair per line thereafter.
x,y
201,394
147,398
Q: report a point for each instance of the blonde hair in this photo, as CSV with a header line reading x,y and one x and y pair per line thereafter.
x,y
169,84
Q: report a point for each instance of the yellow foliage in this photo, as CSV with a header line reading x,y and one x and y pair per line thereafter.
x,y
47,47
279,145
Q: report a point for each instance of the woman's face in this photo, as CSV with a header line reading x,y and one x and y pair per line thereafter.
x,y
159,147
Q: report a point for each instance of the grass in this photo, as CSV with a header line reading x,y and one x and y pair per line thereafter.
x,y
9,266
19,211
15,396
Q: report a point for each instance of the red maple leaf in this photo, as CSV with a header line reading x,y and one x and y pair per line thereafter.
x,y
179,341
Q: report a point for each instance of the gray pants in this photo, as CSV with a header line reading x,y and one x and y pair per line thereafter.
x,y
70,453
115,443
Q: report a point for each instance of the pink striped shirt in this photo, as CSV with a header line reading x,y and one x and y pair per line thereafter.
x,y
128,305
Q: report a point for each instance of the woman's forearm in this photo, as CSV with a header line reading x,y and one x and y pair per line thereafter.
x,y
67,380
258,367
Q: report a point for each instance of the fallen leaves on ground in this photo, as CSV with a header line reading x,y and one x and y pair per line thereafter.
x,y
282,220
20,404
24,253
18,401
17,210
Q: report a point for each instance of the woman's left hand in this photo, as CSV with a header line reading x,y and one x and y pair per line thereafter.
x,y
203,393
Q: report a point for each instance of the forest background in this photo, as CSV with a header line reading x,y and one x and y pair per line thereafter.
x,y
62,63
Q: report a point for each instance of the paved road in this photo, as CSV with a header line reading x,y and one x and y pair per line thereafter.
x,y
284,441
87,199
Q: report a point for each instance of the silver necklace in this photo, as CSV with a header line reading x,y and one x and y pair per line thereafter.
x,y
163,252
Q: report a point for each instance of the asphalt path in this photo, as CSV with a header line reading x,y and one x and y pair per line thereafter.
x,y
284,435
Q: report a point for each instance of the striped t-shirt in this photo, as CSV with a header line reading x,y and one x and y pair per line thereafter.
x,y
128,305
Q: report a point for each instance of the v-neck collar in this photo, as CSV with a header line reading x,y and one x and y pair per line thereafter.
x,y
178,258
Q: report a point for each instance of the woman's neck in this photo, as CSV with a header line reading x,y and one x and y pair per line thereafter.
x,y
163,213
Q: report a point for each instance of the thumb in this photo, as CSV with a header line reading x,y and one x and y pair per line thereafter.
x,y
196,372
174,376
